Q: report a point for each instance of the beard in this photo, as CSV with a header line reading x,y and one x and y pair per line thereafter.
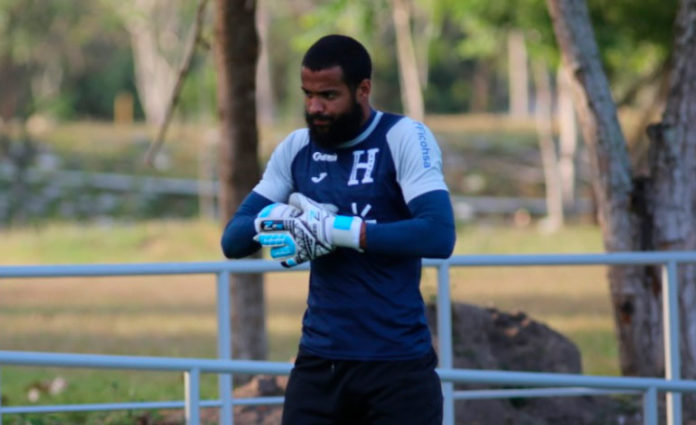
x,y
340,129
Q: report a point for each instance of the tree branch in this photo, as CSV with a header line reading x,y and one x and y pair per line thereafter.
x,y
183,72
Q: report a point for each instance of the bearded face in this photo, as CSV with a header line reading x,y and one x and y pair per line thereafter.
x,y
330,131
334,111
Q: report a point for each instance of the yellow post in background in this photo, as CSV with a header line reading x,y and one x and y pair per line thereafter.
x,y
123,108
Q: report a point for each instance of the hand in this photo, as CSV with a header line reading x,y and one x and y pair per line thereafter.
x,y
316,232
298,238
336,230
294,240
275,211
281,243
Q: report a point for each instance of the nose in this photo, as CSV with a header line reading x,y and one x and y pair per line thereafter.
x,y
314,105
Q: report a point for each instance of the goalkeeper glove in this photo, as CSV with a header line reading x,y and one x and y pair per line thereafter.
x,y
276,211
267,219
312,234
335,230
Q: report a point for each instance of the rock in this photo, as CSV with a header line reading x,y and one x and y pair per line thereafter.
x,y
486,338
259,386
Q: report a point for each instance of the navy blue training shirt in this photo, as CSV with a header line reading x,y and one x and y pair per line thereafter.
x,y
363,305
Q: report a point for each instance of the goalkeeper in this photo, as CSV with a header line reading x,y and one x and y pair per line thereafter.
x,y
360,195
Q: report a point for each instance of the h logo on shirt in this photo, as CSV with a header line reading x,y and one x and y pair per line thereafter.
x,y
366,166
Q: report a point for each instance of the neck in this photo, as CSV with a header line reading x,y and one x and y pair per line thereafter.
x,y
366,112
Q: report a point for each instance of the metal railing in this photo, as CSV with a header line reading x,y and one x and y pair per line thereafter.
x,y
225,367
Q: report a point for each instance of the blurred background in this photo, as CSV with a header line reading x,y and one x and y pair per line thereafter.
x,y
86,83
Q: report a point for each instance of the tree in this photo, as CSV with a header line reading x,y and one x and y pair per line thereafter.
x,y
236,53
155,28
379,25
264,81
42,45
547,148
411,91
518,74
655,211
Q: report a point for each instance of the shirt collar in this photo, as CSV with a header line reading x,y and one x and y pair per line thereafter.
x,y
365,131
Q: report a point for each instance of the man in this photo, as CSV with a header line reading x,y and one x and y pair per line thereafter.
x,y
359,193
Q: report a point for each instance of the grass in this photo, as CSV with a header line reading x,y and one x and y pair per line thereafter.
x,y
102,146
175,316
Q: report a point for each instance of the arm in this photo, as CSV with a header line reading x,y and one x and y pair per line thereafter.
x,y
275,186
237,239
429,233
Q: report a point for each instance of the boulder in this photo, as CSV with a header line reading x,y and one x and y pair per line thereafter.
x,y
259,386
489,339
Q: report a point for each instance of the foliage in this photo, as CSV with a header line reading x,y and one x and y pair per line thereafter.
x,y
71,58
68,58
634,37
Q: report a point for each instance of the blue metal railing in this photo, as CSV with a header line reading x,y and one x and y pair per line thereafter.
x,y
225,367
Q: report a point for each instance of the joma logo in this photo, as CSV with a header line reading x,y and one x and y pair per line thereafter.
x,y
328,157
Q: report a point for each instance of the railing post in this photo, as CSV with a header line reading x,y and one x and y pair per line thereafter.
x,y
224,346
670,323
444,332
193,396
650,406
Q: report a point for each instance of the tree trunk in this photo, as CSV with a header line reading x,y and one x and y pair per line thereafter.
x,y
547,147
635,304
236,53
480,98
148,21
264,80
656,212
518,74
568,138
673,180
424,26
411,92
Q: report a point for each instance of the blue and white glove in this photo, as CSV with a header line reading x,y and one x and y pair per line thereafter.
x,y
335,230
316,232
274,211
281,242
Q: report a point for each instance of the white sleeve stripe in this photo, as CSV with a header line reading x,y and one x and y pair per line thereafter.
x,y
417,158
276,183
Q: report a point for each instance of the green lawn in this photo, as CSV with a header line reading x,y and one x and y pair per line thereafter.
x,y
175,316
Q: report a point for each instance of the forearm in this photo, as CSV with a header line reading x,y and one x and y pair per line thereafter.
x,y
430,233
237,239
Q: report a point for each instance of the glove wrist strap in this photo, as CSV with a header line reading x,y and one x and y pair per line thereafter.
x,y
345,231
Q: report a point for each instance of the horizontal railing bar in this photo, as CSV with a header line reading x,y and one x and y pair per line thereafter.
x,y
613,258
107,361
103,406
97,270
261,266
255,401
536,379
536,392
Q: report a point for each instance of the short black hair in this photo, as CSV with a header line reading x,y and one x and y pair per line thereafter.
x,y
343,51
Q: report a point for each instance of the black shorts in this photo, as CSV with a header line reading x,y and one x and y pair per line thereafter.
x,y
346,392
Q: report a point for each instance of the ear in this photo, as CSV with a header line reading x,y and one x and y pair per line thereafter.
x,y
364,89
